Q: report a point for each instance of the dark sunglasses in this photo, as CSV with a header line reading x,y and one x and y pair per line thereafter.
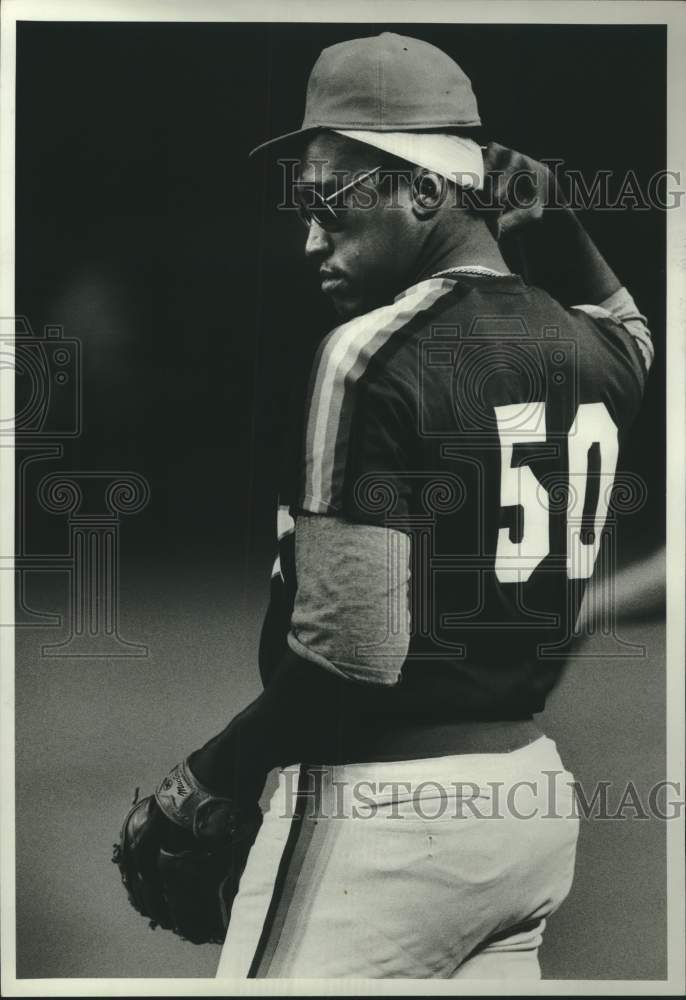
x,y
317,208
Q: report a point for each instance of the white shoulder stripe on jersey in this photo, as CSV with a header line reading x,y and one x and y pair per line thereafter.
x,y
343,360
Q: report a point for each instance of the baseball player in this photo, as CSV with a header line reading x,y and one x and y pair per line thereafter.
x,y
454,465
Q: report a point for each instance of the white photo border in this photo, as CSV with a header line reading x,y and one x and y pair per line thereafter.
x,y
673,15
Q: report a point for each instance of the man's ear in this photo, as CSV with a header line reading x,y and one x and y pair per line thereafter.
x,y
429,191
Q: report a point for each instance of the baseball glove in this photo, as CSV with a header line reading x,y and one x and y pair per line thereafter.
x,y
181,853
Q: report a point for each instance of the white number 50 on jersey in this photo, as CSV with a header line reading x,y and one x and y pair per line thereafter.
x,y
524,423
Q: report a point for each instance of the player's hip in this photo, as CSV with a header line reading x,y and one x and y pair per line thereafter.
x,y
529,782
425,858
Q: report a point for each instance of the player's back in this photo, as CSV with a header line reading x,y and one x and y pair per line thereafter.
x,y
521,406
483,419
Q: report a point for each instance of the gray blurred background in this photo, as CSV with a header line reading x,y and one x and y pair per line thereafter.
x,y
89,731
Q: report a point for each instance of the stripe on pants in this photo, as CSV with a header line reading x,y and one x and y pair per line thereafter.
x,y
290,867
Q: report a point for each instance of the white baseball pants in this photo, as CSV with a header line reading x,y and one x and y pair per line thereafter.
x,y
443,867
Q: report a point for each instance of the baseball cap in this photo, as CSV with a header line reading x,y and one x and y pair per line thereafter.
x,y
386,83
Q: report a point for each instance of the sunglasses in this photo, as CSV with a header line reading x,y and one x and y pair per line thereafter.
x,y
319,209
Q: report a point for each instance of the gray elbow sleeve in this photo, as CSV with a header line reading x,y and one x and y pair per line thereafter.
x,y
351,612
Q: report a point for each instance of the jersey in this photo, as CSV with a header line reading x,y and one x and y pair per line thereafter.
x,y
484,419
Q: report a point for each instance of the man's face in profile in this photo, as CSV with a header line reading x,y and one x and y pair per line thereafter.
x,y
369,253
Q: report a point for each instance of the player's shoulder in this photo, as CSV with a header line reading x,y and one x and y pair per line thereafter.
x,y
363,396
369,348
613,341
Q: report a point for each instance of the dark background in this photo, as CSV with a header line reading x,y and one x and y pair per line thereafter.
x,y
143,230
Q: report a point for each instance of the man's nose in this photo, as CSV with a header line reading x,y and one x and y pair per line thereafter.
x,y
317,242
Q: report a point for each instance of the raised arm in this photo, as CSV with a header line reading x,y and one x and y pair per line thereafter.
x,y
540,233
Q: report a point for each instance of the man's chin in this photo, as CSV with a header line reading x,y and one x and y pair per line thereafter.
x,y
346,307
347,310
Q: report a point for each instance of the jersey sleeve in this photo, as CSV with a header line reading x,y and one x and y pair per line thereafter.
x,y
359,433
621,312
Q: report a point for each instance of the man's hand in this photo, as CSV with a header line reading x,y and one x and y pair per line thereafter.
x,y
180,855
522,186
557,254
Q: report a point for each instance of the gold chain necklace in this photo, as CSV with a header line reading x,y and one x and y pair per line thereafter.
x,y
472,269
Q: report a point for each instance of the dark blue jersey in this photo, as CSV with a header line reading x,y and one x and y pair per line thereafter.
x,y
484,419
